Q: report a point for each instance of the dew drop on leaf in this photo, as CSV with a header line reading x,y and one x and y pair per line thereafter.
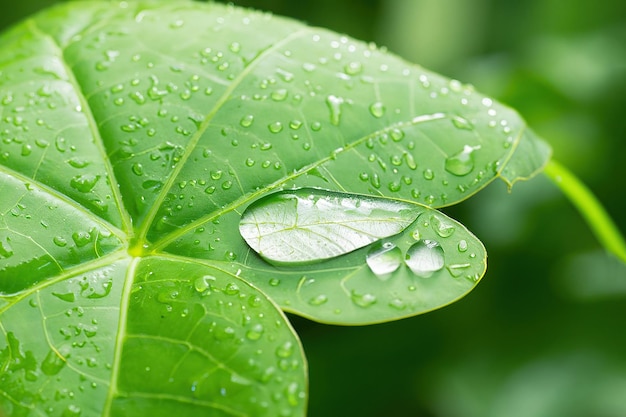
x,y
457,270
377,109
462,123
318,300
246,121
461,163
334,105
363,300
441,227
384,258
55,360
275,127
310,225
6,251
425,257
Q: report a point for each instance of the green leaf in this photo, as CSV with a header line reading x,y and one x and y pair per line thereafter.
x,y
134,136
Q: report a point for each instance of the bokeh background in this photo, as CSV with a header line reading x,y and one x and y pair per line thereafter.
x,y
543,334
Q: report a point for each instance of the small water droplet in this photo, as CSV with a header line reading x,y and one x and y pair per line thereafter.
x,y
429,174
6,251
137,168
441,227
334,105
284,75
203,283
275,127
247,120
410,161
295,124
274,282
456,270
462,123
377,109
461,163
255,332
285,350
353,68
84,183
279,95
462,245
55,360
318,300
396,134
363,300
81,238
235,47
397,303
384,258
425,257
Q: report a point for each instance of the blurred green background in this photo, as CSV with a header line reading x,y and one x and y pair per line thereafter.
x,y
543,334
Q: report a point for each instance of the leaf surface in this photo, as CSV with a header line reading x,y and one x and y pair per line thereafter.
x,y
134,136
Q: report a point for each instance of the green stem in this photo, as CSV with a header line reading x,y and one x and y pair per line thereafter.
x,y
589,207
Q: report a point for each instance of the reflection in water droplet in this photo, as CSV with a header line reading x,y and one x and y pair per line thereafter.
x,y
384,258
425,257
461,163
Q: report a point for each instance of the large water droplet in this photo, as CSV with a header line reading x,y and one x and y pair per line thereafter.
x,y
461,163
425,257
384,258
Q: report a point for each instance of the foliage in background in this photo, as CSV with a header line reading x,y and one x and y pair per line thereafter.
x,y
545,321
